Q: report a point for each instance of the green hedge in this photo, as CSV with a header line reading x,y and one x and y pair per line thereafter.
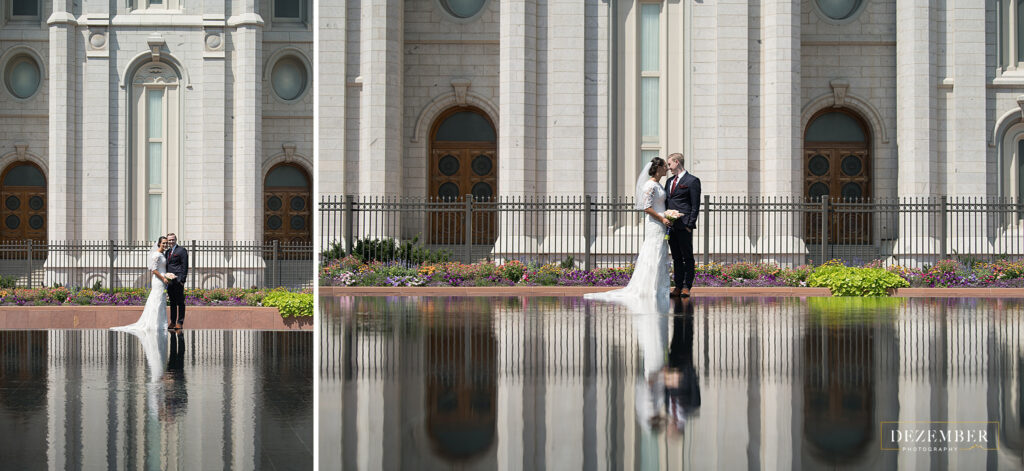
x,y
853,281
290,304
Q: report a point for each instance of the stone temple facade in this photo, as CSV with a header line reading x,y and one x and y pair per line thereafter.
x,y
860,98
125,119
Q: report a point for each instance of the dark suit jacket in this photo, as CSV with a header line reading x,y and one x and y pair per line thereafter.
x,y
686,200
177,262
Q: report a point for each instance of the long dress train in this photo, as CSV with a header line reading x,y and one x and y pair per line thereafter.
x,y
154,315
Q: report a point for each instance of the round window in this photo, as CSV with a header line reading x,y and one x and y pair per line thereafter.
x,y
289,78
818,165
22,76
839,9
463,8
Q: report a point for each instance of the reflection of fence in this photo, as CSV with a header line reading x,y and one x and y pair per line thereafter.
x,y
608,231
733,338
116,264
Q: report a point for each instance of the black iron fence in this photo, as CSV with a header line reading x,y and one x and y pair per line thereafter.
x,y
599,231
120,264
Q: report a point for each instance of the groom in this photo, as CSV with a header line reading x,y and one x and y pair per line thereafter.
x,y
177,263
683,191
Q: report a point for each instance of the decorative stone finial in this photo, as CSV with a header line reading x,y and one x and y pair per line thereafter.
x,y
461,86
839,89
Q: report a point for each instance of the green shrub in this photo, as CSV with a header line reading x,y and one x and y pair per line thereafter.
x,y
850,281
797,275
386,250
569,263
8,281
334,251
290,304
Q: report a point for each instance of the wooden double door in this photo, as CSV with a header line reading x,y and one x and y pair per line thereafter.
x,y
23,203
458,169
843,174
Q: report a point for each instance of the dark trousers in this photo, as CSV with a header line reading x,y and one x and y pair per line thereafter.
x,y
176,294
680,241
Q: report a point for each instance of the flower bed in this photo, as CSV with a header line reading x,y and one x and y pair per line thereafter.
x,y
872,278
137,297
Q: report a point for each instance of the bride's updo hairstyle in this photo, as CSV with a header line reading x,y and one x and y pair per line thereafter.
x,y
656,163
160,242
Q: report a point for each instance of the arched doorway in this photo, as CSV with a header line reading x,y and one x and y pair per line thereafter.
x,y
837,163
463,160
23,211
287,210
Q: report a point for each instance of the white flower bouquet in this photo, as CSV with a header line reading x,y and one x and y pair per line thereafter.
x,y
170,276
671,215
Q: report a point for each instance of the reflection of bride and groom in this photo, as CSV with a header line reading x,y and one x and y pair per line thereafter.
x,y
667,394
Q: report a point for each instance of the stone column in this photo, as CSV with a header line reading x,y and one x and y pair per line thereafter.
x,y
246,156
205,159
566,41
915,98
782,98
783,147
332,82
98,182
381,124
517,128
968,153
62,181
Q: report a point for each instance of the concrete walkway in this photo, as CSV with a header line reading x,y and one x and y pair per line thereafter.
x,y
574,291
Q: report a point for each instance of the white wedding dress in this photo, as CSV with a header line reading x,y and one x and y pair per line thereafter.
x,y
648,288
154,315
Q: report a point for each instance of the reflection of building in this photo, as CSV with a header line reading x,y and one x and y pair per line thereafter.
x,y
84,400
124,120
778,391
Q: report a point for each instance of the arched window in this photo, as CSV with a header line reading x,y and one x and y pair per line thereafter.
x,y
1012,163
155,186
287,205
22,202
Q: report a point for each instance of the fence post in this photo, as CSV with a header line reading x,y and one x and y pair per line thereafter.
x,y
277,265
469,228
350,208
824,228
28,264
943,200
110,255
586,232
707,229
192,248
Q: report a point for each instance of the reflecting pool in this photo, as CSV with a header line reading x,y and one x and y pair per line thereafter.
x,y
703,383
201,399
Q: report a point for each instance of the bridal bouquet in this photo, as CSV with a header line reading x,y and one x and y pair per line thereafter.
x,y
671,215
170,276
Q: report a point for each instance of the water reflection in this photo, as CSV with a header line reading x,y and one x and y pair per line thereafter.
x,y
526,383
92,399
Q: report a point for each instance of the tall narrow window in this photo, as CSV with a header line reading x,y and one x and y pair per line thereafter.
x,y
25,8
1011,41
156,4
154,185
290,11
650,81
154,161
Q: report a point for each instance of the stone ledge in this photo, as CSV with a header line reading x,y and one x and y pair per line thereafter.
x,y
105,317
573,291
559,291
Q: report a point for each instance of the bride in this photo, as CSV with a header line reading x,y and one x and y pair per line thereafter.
x,y
154,315
649,285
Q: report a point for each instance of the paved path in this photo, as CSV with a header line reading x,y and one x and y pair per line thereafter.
x,y
572,291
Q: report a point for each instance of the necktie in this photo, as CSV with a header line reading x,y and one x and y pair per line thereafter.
x,y
674,183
